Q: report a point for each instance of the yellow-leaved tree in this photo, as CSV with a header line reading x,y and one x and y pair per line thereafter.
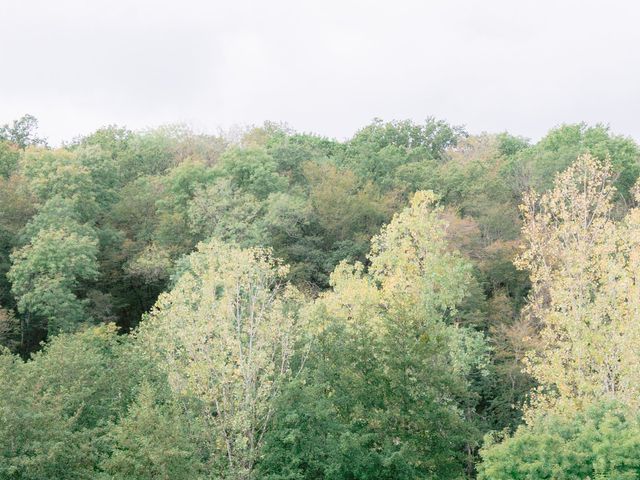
x,y
585,299
406,364
412,288
225,335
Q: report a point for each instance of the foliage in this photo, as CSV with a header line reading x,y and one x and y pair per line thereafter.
x,y
253,171
583,269
414,336
152,442
555,152
389,372
21,132
225,212
9,156
47,273
380,150
56,408
600,442
225,335
9,330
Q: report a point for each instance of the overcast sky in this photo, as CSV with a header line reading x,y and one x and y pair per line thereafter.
x,y
323,66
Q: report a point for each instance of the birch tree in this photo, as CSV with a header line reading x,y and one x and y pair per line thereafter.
x,y
226,334
585,289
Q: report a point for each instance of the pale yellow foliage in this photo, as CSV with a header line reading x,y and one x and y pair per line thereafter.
x,y
411,290
411,257
225,335
585,291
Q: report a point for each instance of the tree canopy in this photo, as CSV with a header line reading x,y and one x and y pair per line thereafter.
x,y
413,302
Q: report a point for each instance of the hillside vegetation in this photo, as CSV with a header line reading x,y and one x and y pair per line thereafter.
x,y
412,303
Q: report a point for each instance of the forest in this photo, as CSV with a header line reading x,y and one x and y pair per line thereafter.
x,y
414,302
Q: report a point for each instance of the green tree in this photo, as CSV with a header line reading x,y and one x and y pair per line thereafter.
x,y
47,275
253,171
225,212
536,167
152,442
601,442
61,173
56,408
387,390
9,155
10,331
347,212
380,150
16,208
290,226
22,132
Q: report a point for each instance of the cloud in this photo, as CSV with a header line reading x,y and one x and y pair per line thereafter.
x,y
327,67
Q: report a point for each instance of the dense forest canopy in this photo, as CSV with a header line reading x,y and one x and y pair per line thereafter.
x,y
415,302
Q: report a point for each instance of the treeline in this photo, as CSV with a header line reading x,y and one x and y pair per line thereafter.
x,y
376,308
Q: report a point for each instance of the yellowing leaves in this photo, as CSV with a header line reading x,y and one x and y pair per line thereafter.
x,y
583,267
225,334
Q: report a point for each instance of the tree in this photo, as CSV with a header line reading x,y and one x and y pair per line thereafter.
x,y
152,442
179,187
22,132
535,167
583,268
348,212
9,330
253,171
387,391
61,173
58,212
47,274
381,151
601,442
57,408
289,226
291,151
9,155
16,208
153,265
434,135
225,335
225,212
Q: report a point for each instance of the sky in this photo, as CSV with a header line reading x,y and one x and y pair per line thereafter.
x,y
322,66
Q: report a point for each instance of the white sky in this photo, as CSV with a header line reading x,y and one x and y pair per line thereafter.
x,y
324,66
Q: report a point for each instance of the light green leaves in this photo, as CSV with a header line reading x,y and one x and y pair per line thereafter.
x,y
48,272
